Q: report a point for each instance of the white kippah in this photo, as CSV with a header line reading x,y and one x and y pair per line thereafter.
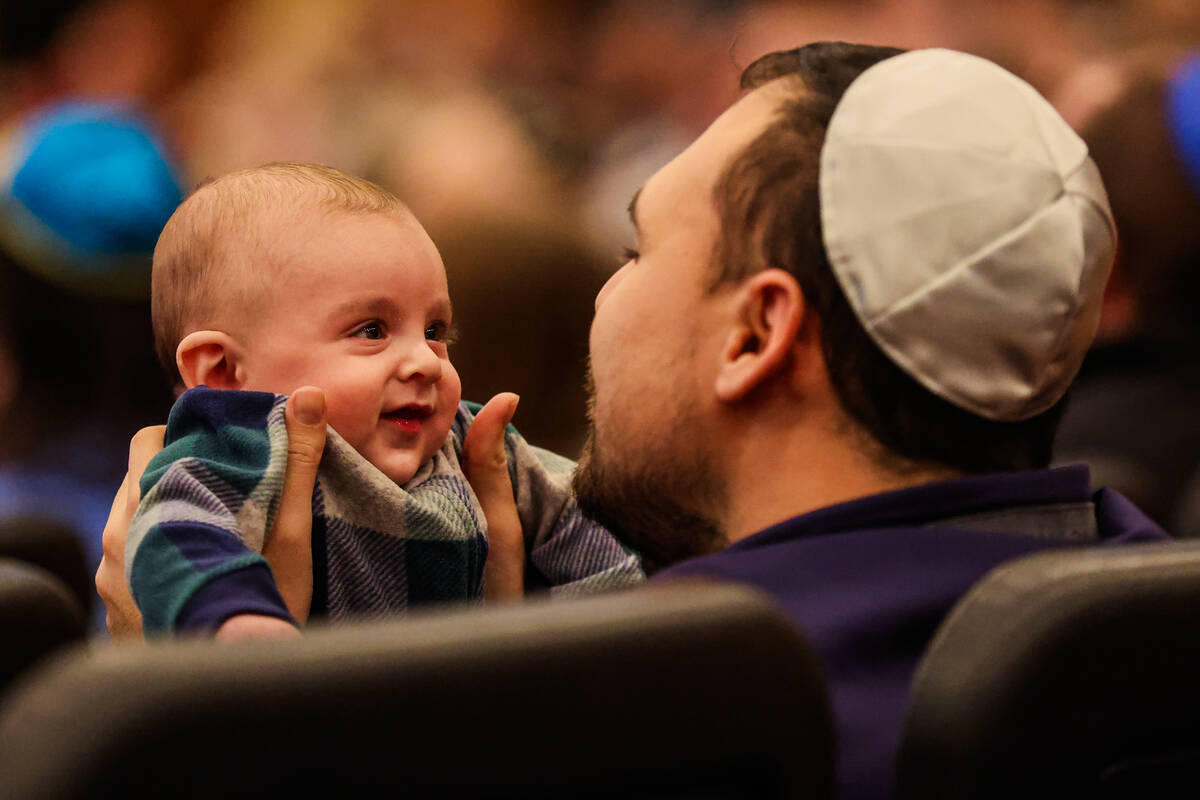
x,y
968,228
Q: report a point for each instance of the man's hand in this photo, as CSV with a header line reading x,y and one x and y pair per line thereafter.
x,y
123,619
487,470
288,547
255,626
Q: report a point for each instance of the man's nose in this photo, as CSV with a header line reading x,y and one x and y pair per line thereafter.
x,y
609,285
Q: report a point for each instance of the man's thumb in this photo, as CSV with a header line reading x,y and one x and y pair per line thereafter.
x,y
289,546
305,414
483,446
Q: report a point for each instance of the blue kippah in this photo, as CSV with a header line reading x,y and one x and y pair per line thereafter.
x,y
1183,116
85,190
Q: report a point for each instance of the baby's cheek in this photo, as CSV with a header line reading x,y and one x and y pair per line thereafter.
x,y
449,396
348,424
450,387
438,432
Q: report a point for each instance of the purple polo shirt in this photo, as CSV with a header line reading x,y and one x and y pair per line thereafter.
x,y
868,582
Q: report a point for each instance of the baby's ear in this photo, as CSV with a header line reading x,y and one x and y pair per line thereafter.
x,y
210,358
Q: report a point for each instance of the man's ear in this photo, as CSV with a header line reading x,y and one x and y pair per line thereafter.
x,y
210,358
770,309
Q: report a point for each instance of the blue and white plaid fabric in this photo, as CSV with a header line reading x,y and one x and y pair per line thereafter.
x,y
209,500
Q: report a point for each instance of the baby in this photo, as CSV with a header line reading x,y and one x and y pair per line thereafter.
x,y
290,275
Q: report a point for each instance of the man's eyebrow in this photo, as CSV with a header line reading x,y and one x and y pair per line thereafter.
x,y
633,210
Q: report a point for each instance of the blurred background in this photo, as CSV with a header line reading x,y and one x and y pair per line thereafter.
x,y
516,130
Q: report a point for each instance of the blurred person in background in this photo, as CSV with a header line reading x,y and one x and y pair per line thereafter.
x,y
128,51
84,190
1133,411
1043,41
661,72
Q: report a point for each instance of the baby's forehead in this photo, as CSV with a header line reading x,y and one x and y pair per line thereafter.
x,y
263,217
270,200
298,189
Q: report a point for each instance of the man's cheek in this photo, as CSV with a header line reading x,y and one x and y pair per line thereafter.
x,y
607,418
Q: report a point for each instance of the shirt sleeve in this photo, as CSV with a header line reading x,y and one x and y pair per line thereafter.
x,y
193,556
572,553
568,553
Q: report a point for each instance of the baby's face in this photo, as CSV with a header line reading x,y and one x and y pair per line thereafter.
x,y
362,311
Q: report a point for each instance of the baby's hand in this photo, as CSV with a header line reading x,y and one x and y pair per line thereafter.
x,y
487,470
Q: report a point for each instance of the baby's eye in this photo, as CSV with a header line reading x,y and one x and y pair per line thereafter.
x,y
372,330
438,332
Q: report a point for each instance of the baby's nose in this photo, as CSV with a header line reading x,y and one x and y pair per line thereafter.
x,y
421,364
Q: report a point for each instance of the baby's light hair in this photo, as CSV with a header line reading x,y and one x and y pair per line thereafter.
x,y
211,258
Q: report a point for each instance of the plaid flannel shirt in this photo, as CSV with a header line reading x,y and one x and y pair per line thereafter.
x,y
193,556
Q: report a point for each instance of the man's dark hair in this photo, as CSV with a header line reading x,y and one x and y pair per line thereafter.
x,y
769,207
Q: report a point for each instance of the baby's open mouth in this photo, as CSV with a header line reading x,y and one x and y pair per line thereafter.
x,y
410,412
408,418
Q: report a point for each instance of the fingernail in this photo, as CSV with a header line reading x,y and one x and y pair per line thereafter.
x,y
308,405
512,409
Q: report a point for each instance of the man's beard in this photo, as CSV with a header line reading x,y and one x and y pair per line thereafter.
x,y
657,500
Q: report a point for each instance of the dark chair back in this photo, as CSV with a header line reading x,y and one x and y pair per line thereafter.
x,y
1065,674
678,691
38,615
52,545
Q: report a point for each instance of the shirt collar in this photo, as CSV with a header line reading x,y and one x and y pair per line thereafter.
x,y
931,502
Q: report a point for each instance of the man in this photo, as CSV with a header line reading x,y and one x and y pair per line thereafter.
x,y
834,366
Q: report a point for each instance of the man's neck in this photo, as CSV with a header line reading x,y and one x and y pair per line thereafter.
x,y
774,478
